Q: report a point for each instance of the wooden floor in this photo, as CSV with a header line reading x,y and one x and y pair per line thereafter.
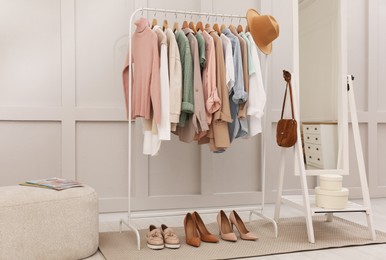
x,y
110,222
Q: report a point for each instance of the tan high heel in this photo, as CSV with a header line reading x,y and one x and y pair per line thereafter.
x,y
225,228
205,235
191,234
239,224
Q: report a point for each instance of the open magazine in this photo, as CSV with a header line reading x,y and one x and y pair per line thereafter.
x,y
53,183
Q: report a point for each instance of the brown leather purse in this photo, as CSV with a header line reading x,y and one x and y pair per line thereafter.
x,y
286,131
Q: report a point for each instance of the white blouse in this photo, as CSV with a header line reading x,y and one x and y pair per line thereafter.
x,y
229,66
257,96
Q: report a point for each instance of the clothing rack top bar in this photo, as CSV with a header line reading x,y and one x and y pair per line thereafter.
x,y
187,12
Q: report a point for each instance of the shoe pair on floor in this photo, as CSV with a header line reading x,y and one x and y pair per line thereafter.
x,y
226,226
196,231
158,238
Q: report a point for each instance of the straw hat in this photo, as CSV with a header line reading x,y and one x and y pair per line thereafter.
x,y
264,30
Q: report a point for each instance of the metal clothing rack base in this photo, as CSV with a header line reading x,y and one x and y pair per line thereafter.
x,y
128,221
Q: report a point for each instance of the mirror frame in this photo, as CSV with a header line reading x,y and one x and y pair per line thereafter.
x,y
342,107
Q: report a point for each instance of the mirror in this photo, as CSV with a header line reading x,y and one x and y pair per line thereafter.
x,y
321,85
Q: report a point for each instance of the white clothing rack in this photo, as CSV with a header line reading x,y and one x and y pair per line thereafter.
x,y
128,222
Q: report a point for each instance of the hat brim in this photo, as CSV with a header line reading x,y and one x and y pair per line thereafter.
x,y
250,14
266,49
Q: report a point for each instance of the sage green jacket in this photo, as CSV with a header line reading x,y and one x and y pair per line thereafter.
x,y
187,105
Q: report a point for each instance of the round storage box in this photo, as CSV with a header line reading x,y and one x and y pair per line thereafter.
x,y
330,182
331,199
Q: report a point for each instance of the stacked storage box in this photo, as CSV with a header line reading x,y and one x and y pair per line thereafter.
x,y
330,194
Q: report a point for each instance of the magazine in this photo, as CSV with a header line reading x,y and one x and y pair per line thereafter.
x,y
53,183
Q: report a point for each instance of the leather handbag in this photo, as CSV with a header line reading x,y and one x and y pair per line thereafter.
x,y
286,131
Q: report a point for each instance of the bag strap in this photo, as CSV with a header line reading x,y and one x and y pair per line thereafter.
x,y
287,78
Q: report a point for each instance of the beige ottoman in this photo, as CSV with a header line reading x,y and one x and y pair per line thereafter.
x,y
37,223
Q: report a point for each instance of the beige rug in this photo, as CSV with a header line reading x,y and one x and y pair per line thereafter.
x,y
292,238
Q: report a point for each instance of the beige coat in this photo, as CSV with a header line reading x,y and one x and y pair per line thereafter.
x,y
219,136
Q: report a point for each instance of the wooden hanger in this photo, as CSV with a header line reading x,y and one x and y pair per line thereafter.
x,y
165,24
191,26
223,26
233,29
185,25
217,28
207,25
175,26
199,26
154,23
239,28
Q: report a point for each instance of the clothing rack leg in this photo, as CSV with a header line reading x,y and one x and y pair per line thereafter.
x,y
132,228
263,158
129,142
259,214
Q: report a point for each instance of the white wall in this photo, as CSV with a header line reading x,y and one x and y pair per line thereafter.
x,y
62,108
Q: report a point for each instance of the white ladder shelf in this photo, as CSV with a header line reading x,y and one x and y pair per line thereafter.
x,y
306,203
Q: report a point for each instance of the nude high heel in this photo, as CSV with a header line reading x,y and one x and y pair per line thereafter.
x,y
225,228
239,224
191,234
205,235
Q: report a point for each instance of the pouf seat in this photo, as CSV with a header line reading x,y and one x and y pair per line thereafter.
x,y
38,223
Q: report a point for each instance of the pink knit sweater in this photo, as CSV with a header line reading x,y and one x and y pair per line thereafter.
x,y
146,73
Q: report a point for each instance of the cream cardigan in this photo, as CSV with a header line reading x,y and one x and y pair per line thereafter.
x,y
175,78
164,125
